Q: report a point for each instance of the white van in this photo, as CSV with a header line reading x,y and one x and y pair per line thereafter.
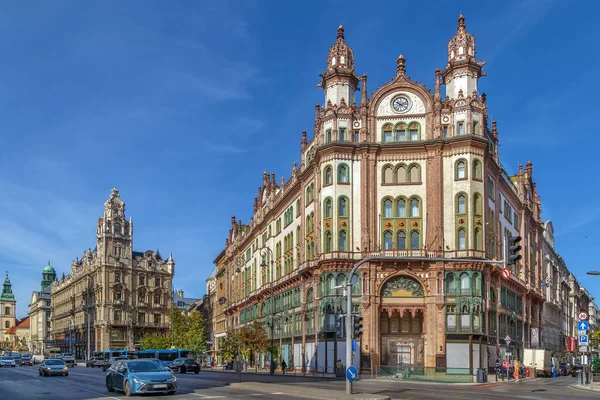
x,y
37,358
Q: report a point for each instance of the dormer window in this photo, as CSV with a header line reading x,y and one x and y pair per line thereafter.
x,y
460,129
342,60
333,61
328,136
342,134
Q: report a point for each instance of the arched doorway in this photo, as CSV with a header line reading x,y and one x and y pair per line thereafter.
x,y
401,322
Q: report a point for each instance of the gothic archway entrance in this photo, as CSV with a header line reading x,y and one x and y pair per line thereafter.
x,y
401,322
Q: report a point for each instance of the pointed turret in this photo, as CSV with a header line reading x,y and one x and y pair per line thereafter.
x,y
463,70
7,294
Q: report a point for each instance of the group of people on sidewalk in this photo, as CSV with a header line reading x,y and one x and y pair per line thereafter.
x,y
508,368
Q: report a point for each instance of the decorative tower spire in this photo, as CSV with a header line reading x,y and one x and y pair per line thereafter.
x,y
49,275
400,68
339,81
7,293
463,70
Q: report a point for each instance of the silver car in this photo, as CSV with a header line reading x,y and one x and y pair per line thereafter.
x,y
6,361
54,366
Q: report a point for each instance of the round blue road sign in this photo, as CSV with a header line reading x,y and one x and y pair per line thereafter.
x,y
351,373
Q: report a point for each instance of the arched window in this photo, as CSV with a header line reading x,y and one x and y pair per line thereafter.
x,y
461,204
400,132
328,176
401,208
401,173
401,240
387,208
328,208
450,284
342,212
415,240
387,240
342,241
414,208
388,174
462,239
477,170
414,173
309,196
465,283
387,133
477,204
343,173
328,242
477,239
414,132
461,169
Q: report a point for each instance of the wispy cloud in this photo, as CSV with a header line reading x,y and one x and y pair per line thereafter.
x,y
583,217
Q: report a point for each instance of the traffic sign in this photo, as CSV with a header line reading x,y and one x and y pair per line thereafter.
x,y
583,325
351,373
583,339
583,316
506,273
354,347
507,339
584,349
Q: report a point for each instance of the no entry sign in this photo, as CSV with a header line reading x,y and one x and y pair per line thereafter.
x,y
506,273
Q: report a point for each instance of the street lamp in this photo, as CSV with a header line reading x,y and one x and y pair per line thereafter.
x,y
264,264
593,272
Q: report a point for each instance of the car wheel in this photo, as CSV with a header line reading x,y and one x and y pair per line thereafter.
x,y
66,374
40,373
109,386
172,392
197,372
127,388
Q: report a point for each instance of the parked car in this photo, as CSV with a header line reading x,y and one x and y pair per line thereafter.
x,y
574,370
7,361
184,365
95,362
107,363
140,376
53,366
26,361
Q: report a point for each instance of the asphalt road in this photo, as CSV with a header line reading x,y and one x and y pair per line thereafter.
x,y
88,383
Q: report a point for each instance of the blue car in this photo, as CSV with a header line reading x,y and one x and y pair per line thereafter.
x,y
140,376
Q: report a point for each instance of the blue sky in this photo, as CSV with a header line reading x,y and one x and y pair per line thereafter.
x,y
182,105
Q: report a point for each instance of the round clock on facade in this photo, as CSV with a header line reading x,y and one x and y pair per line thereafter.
x,y
400,104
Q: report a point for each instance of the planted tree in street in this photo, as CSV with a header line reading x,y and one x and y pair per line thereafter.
x,y
155,342
188,332
231,345
254,341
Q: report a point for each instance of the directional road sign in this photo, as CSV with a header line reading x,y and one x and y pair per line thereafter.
x,y
583,325
583,316
583,339
351,373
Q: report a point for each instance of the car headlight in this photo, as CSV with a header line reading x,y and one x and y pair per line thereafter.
x,y
65,367
47,368
171,380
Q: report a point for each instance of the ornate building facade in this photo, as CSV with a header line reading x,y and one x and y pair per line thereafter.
x,y
8,310
39,312
405,173
124,294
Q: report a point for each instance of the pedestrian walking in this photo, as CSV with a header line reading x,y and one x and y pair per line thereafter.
x,y
517,371
283,366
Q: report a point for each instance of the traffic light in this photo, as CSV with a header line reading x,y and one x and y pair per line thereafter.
x,y
357,331
513,249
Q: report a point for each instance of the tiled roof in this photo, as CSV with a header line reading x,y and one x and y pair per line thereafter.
x,y
24,323
11,331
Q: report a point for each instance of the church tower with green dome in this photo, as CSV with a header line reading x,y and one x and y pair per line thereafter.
x,y
48,276
8,306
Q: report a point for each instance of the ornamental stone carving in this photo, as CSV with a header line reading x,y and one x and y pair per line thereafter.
x,y
402,286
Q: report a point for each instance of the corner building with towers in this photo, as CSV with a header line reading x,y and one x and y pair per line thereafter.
x,y
405,173
114,295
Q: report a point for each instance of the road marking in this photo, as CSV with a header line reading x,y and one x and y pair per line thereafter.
x,y
278,393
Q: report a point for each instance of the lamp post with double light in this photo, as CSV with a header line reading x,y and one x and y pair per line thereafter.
x,y
263,264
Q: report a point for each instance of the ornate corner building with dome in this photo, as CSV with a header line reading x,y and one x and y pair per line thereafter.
x,y
124,294
408,173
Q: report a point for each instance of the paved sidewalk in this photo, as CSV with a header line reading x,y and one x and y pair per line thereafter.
x,y
306,391
594,387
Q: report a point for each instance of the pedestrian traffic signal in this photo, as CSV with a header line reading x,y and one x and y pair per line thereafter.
x,y
513,249
357,331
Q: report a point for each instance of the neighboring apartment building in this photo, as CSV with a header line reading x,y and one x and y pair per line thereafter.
x,y
39,312
555,282
124,294
405,173
8,310
181,302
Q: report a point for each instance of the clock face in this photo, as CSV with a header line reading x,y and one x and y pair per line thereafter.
x,y
400,104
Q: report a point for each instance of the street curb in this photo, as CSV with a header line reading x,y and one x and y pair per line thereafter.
x,y
465,384
322,394
299,375
583,388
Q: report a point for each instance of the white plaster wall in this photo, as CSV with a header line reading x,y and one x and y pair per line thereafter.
x,y
416,106
464,81
451,189
339,91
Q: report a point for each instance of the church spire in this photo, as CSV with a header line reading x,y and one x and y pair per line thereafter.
x,y
7,293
